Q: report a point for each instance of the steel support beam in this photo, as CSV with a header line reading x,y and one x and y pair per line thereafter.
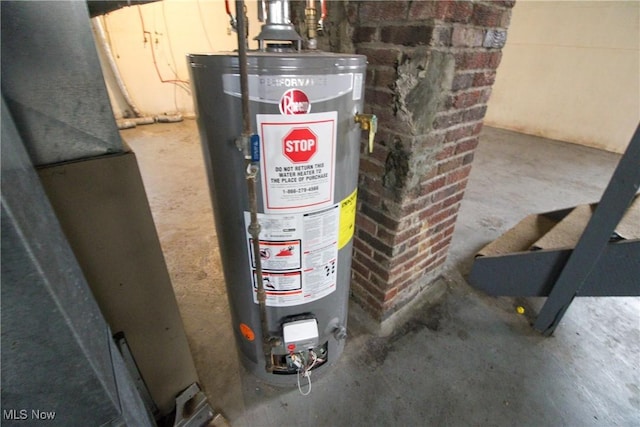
x,y
587,254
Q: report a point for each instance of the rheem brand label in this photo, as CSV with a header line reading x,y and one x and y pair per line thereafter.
x,y
294,101
298,161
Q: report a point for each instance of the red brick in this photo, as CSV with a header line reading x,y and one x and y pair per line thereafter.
x,y
506,19
386,236
427,263
504,3
362,247
464,36
390,294
409,232
366,224
406,35
375,11
375,243
451,201
371,166
477,60
458,175
458,11
352,12
463,132
442,215
474,114
468,158
467,145
462,81
433,185
385,77
449,231
368,197
415,205
359,268
370,76
446,152
441,244
373,267
427,9
385,98
363,34
443,194
441,35
448,119
485,15
429,212
380,56
405,257
373,186
379,217
445,225
485,78
449,165
495,59
466,99
486,94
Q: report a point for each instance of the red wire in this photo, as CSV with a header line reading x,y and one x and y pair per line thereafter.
x,y
226,6
153,53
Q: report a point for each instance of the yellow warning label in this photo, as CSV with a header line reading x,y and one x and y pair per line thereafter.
x,y
347,219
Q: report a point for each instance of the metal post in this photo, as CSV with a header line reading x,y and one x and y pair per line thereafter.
x,y
615,201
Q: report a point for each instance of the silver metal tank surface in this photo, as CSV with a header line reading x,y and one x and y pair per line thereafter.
x,y
302,107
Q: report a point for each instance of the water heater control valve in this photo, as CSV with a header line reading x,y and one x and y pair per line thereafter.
x,y
300,334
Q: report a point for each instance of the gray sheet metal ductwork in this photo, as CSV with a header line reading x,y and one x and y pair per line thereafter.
x,y
42,59
53,85
58,358
101,7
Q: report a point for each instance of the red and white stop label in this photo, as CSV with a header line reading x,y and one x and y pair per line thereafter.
x,y
300,145
298,161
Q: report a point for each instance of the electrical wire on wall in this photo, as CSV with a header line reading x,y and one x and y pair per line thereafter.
x,y
172,63
204,27
183,84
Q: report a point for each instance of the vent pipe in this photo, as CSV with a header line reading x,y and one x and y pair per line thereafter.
x,y
277,26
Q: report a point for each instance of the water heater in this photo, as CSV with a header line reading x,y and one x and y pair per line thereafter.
x,y
304,109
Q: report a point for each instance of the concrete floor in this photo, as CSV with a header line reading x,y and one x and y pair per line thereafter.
x,y
465,359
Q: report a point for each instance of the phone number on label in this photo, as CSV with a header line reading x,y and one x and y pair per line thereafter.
x,y
300,190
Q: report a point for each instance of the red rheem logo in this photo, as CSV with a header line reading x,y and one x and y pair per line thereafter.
x,y
300,145
294,101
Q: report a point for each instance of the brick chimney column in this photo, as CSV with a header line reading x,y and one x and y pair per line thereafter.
x,y
431,68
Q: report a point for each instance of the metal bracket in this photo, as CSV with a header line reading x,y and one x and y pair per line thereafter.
x,y
193,409
134,372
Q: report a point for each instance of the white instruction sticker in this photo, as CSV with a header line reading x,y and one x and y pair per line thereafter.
x,y
298,161
299,256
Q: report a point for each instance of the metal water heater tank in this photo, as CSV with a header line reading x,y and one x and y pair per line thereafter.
x,y
305,108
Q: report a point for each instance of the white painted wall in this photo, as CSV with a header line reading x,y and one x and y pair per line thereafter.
x,y
571,71
175,28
